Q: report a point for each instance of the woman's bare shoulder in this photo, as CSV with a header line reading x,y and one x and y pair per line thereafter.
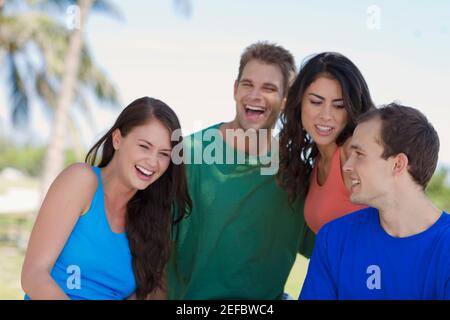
x,y
79,180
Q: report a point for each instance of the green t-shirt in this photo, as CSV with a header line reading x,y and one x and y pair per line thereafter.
x,y
241,238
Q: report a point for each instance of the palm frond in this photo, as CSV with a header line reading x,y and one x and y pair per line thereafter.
x,y
29,32
45,89
86,108
100,6
18,94
53,43
107,7
95,79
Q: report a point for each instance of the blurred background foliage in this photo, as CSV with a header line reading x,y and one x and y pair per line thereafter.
x,y
439,189
28,158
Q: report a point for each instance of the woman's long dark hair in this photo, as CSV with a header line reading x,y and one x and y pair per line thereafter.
x,y
150,212
297,150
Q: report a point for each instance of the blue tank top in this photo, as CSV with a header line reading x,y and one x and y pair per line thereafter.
x,y
95,263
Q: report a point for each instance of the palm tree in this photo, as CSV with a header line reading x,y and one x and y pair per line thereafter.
x,y
54,159
67,68
75,55
25,34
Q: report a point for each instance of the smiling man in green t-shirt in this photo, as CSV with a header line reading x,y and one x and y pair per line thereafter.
x,y
241,238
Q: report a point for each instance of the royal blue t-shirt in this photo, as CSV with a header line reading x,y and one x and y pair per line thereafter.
x,y
354,258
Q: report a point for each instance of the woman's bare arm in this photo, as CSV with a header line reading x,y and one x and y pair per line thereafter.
x,y
68,197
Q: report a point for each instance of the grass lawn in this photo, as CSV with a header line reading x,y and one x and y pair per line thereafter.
x,y
10,267
14,231
297,276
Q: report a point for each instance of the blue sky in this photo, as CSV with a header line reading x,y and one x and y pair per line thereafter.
x,y
191,63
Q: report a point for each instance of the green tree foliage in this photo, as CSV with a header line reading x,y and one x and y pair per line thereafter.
x,y
439,190
33,46
28,159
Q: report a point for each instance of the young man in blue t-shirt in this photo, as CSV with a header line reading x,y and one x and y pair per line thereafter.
x,y
399,248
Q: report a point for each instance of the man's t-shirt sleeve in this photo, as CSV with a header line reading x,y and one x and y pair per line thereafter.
x,y
307,242
319,283
308,237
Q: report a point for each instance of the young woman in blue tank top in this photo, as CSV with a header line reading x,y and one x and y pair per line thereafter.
x,y
103,232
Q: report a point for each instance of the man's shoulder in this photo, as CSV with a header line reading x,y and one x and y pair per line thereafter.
x,y
446,217
194,146
198,135
350,222
199,139
445,227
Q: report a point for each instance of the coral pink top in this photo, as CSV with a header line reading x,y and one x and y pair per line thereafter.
x,y
329,201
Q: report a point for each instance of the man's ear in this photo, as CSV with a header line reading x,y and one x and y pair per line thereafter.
x,y
283,103
400,163
236,84
116,139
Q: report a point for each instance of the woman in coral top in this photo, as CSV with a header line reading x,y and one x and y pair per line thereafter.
x,y
322,105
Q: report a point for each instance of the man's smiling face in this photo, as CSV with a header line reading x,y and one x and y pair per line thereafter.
x,y
259,95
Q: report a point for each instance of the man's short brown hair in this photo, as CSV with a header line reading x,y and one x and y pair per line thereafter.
x,y
406,130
